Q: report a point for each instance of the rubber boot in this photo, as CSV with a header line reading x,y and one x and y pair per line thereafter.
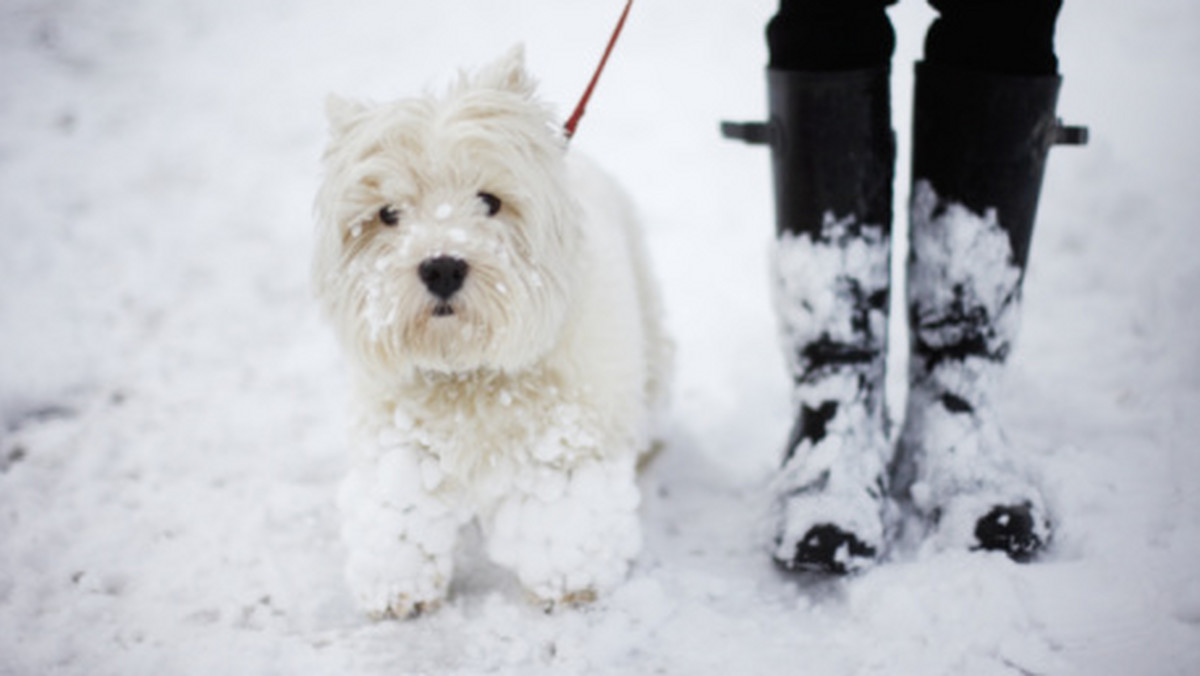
x,y
980,143
833,155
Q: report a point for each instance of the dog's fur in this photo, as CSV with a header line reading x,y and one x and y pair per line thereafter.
x,y
524,398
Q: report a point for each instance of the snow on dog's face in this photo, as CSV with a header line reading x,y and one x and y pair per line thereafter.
x,y
447,238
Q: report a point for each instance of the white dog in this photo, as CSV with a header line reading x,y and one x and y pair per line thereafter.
x,y
507,353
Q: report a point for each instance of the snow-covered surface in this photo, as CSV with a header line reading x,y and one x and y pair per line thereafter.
x,y
173,413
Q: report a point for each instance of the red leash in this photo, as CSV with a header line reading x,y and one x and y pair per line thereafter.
x,y
573,122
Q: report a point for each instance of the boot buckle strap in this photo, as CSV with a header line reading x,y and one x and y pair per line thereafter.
x,y
1069,135
754,133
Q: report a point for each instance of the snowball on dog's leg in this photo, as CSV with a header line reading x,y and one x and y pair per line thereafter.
x,y
568,545
400,538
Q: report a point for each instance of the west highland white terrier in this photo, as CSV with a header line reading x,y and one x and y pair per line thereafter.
x,y
507,355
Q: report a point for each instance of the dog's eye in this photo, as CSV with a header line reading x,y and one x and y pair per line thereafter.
x,y
491,202
389,215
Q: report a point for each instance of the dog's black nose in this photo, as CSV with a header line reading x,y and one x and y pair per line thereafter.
x,y
444,275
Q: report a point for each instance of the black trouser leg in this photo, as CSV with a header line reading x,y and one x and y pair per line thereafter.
x,y
1014,37
830,35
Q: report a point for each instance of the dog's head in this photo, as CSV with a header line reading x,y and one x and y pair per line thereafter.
x,y
447,238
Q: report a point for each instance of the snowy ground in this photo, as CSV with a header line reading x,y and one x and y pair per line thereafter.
x,y
171,410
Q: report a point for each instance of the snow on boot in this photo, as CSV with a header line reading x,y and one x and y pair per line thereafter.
x,y
833,154
955,464
979,149
831,297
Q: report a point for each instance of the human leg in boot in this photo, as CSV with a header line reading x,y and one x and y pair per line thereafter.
x,y
984,121
833,157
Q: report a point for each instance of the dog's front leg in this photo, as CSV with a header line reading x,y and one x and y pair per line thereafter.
x,y
571,534
400,536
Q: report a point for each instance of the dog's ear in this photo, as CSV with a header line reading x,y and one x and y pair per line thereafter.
x,y
508,73
342,114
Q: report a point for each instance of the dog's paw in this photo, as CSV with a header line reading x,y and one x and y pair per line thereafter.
x,y
400,540
568,600
577,545
403,608
383,595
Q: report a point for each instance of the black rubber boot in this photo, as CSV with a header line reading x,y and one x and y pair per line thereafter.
x,y
980,143
981,140
833,155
